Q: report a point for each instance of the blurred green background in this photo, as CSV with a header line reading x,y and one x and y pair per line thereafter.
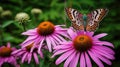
x,y
53,10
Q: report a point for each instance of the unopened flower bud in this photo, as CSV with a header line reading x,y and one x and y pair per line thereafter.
x,y
6,13
1,9
22,17
36,11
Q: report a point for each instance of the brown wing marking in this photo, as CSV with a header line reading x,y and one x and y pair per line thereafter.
x,y
69,13
93,27
75,26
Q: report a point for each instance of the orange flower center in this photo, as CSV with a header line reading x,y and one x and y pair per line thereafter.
x,y
82,43
5,51
45,28
29,47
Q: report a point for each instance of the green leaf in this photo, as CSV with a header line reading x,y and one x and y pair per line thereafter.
x,y
7,23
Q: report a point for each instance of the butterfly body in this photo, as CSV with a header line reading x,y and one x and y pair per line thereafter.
x,y
87,22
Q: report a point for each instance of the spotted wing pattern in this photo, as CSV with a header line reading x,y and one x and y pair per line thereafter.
x,y
76,18
94,18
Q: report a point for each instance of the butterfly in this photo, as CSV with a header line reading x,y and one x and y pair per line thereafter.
x,y
86,22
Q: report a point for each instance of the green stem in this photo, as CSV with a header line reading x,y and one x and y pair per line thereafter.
x,y
1,33
23,25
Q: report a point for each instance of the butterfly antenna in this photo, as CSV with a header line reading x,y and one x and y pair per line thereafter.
x,y
81,8
88,9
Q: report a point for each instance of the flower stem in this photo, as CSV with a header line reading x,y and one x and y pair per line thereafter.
x,y
23,25
1,33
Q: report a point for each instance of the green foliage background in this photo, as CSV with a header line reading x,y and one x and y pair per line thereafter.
x,y
53,10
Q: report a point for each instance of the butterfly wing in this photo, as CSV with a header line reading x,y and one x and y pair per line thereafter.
x,y
94,18
76,18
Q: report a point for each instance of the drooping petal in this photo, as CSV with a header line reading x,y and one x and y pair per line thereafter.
x,y
24,57
36,58
75,60
41,44
63,57
41,54
52,41
95,59
67,62
29,57
104,53
49,44
88,62
107,43
107,49
57,39
62,33
102,58
61,38
82,60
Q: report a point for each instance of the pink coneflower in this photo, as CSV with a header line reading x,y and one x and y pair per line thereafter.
x,y
45,33
82,47
6,58
27,53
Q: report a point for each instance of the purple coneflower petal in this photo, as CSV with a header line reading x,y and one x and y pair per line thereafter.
x,y
20,53
107,43
75,61
90,33
63,46
40,45
36,58
52,41
71,35
103,43
102,58
29,57
8,44
105,49
17,51
41,54
49,44
60,51
88,62
56,38
95,59
29,39
63,57
100,35
104,53
69,59
62,33
24,57
82,60
30,32
61,38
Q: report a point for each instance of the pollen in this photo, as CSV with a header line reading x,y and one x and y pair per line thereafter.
x,y
82,43
45,28
5,51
